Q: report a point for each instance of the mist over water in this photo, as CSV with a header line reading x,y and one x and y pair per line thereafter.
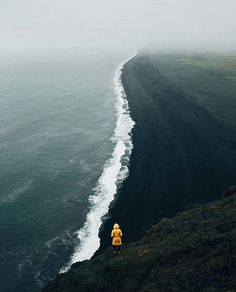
x,y
58,115
114,25
58,112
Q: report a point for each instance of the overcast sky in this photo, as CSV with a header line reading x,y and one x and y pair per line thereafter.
x,y
117,23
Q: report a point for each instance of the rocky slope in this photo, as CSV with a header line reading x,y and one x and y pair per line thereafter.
x,y
195,251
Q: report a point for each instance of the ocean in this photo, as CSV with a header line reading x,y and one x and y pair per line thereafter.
x,y
65,145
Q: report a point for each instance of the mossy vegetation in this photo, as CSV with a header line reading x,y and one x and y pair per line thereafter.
x,y
195,251
209,78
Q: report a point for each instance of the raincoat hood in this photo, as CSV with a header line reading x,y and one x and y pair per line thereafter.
x,y
116,226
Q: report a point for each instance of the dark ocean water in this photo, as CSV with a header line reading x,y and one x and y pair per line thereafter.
x,y
57,117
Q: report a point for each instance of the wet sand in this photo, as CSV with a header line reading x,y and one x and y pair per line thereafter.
x,y
182,153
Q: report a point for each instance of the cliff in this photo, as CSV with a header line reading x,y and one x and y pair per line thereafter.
x,y
194,251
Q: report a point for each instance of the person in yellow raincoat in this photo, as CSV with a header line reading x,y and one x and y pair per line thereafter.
x,y
116,235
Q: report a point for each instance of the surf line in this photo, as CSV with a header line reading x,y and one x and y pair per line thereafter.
x,y
114,173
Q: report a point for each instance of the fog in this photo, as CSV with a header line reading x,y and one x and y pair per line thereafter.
x,y
118,24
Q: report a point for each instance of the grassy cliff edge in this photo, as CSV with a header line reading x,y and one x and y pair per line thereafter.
x,y
194,251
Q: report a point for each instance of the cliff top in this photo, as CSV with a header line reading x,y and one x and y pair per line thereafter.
x,y
194,251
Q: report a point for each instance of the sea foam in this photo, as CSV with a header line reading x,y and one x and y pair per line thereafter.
x,y
114,173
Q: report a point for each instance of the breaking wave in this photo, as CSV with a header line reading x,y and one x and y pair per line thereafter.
x,y
114,173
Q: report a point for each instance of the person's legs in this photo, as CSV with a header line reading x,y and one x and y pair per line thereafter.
x,y
114,248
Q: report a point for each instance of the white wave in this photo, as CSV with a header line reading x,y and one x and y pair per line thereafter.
x,y
114,173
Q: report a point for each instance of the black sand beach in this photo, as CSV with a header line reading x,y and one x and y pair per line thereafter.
x,y
184,141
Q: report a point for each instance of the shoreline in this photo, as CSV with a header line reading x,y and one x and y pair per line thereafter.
x,y
115,171
179,156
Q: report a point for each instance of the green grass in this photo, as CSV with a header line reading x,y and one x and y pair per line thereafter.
x,y
211,79
195,251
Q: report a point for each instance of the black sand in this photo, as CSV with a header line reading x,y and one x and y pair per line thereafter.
x,y
183,154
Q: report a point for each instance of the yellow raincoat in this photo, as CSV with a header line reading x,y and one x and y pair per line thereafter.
x,y
116,235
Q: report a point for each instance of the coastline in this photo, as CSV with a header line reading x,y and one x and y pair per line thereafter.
x,y
182,154
114,173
